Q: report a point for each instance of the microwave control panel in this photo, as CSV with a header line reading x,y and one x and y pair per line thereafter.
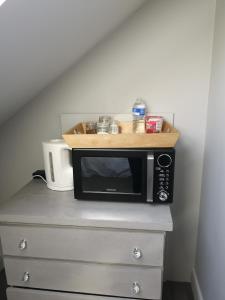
x,y
164,162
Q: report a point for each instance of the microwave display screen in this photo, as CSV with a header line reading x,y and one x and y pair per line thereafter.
x,y
120,175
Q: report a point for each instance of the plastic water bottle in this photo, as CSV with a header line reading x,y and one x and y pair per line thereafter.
x,y
139,111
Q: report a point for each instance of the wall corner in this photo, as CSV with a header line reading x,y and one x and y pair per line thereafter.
x,y
195,286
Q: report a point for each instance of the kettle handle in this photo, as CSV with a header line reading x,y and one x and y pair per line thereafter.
x,y
65,148
51,161
51,166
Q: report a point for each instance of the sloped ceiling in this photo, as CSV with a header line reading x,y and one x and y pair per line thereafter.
x,y
40,39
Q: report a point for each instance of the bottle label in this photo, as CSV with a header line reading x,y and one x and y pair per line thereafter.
x,y
138,111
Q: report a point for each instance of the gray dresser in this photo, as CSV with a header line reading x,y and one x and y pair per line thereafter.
x,y
58,248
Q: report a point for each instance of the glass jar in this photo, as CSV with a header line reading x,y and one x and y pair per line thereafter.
x,y
90,127
102,128
114,127
105,119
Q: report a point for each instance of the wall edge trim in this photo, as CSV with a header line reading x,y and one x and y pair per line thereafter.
x,y
195,286
1,264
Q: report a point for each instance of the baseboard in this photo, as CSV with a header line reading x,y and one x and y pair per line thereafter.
x,y
1,264
195,286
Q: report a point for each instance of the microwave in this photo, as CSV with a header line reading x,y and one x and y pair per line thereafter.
x,y
129,175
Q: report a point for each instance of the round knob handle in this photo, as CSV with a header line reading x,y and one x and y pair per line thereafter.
x,y
164,160
136,288
163,196
26,277
23,244
137,253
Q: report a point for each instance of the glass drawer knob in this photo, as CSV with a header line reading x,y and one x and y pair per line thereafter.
x,y
137,253
23,244
26,277
136,288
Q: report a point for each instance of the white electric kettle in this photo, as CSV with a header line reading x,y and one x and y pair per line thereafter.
x,y
58,165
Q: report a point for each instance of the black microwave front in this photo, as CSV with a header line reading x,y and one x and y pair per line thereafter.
x,y
130,175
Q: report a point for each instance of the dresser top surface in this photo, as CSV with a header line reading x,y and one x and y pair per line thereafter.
x,y
36,204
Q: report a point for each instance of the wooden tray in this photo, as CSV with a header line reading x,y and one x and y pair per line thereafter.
x,y
126,139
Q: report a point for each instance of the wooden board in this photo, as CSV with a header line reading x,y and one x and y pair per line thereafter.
x,y
126,139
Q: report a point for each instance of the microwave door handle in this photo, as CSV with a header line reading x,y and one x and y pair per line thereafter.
x,y
150,172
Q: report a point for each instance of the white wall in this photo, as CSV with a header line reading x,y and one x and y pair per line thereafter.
x,y
162,54
210,258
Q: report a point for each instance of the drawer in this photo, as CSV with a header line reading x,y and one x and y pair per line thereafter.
x,y
91,245
28,294
80,277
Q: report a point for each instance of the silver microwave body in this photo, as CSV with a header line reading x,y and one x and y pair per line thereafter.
x,y
129,175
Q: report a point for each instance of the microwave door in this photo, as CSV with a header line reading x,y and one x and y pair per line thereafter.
x,y
116,175
150,178
119,175
106,175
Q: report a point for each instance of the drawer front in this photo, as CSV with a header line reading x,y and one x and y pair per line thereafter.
x,y
90,278
24,294
93,245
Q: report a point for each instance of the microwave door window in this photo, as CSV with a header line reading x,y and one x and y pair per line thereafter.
x,y
111,175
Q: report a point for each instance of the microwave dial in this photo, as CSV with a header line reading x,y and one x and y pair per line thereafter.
x,y
163,196
164,160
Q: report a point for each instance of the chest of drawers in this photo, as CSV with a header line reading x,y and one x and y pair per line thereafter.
x,y
55,247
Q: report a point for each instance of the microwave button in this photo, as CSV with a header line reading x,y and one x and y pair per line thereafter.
x,y
161,175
